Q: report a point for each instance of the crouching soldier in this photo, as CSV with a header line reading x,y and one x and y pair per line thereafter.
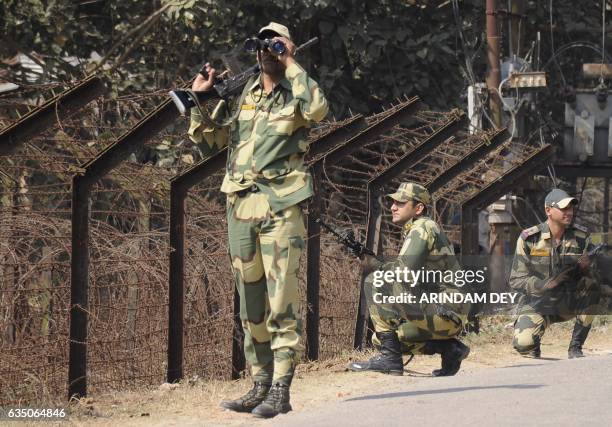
x,y
414,328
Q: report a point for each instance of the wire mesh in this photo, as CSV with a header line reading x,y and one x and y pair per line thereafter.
x,y
129,245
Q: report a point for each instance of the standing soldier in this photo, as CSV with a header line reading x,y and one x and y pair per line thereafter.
x,y
553,274
431,328
264,182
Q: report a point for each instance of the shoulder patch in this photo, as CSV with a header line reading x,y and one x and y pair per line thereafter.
x,y
429,225
581,228
530,232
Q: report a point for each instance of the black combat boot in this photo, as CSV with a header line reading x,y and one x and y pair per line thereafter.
x,y
536,352
388,361
452,351
579,336
249,401
276,402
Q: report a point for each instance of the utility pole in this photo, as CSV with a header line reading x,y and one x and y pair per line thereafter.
x,y
494,73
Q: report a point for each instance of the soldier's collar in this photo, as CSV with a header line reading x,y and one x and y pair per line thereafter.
x,y
420,218
255,84
544,230
568,234
284,83
409,224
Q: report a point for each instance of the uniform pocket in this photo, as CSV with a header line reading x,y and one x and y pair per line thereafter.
x,y
282,122
247,114
244,124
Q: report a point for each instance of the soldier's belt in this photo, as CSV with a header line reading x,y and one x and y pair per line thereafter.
x,y
252,189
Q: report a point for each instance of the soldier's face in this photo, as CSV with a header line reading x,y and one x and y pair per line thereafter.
x,y
561,216
402,212
269,63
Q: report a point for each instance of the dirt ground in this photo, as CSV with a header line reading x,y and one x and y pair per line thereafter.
x,y
195,402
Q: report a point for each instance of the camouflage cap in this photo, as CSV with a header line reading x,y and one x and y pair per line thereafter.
x,y
558,198
277,28
411,191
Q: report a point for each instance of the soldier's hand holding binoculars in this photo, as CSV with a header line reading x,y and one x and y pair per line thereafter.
x,y
287,57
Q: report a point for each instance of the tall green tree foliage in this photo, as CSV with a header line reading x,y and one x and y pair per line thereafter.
x,y
370,51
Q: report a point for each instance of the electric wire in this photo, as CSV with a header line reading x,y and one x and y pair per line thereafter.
x,y
574,45
552,44
469,68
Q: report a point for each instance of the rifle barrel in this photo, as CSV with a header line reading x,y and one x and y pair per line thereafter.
x,y
307,44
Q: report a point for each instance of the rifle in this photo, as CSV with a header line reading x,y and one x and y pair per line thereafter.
x,y
573,269
590,254
597,249
359,250
186,99
348,239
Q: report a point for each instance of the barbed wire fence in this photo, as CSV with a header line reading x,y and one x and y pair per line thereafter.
x,y
129,243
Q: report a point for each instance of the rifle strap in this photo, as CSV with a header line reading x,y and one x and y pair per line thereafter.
x,y
243,95
203,113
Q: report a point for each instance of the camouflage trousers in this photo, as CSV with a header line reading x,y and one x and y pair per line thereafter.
x,y
530,326
265,249
535,315
413,330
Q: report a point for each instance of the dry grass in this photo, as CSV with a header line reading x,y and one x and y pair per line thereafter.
x,y
195,402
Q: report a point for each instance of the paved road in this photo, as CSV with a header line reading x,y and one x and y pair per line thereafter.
x,y
537,392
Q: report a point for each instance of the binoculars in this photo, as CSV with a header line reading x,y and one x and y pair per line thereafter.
x,y
254,44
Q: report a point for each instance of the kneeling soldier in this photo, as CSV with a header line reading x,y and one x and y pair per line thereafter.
x,y
415,328
555,278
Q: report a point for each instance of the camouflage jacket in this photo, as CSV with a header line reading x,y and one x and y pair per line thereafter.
x,y
537,260
267,142
424,243
427,249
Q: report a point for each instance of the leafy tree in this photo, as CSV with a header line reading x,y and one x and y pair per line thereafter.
x,y
369,52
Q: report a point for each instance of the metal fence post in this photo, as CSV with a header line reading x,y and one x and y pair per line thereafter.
x,y
176,290
77,362
313,266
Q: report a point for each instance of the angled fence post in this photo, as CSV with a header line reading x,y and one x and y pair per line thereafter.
x,y
33,123
45,116
492,192
108,159
179,188
375,185
401,113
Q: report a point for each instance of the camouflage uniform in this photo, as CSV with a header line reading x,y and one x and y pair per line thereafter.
x,y
265,180
536,261
425,246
